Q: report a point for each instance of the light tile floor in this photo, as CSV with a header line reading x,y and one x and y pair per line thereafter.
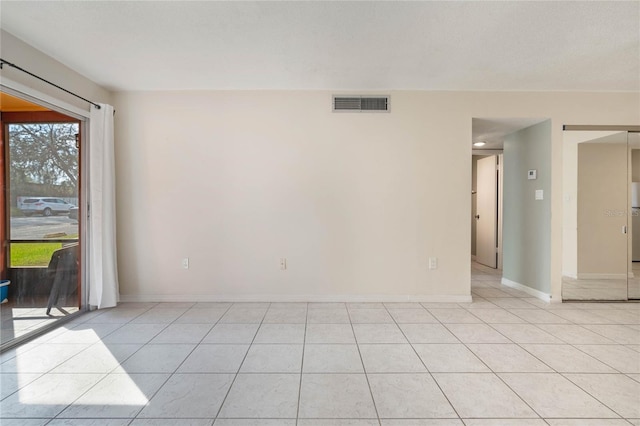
x,y
17,320
504,359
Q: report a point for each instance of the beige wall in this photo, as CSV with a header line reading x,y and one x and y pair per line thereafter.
x,y
602,209
356,202
571,141
16,51
635,165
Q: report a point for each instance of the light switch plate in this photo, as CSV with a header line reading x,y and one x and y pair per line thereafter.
x,y
539,194
532,174
433,263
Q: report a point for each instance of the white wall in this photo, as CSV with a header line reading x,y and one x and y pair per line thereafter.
x,y
602,208
356,202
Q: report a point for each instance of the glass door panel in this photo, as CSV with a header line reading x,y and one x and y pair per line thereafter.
x,y
597,202
633,288
41,205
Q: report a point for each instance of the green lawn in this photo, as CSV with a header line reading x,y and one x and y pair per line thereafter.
x,y
32,254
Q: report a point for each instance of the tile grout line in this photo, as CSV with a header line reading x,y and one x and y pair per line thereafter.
x,y
304,345
422,361
589,393
201,340
366,376
563,343
198,345
105,375
496,374
553,369
241,363
129,357
502,380
174,371
42,374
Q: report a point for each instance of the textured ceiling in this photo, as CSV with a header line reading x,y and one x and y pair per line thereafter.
x,y
513,46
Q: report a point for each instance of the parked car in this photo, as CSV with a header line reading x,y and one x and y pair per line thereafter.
x,y
73,213
45,206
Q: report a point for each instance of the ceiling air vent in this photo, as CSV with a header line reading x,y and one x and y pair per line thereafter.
x,y
361,103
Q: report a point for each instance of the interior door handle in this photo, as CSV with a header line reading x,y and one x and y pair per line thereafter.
x,y
477,216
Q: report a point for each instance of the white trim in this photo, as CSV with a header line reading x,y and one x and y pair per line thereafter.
x,y
532,291
592,276
292,298
41,97
500,210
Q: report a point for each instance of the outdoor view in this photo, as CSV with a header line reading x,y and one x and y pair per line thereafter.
x,y
43,176
42,200
40,178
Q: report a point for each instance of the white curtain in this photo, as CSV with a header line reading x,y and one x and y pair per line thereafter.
x,y
103,267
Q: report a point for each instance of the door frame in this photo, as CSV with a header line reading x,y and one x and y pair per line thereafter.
x,y
500,205
487,198
500,185
83,116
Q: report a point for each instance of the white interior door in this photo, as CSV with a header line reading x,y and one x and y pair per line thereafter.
x,y
487,211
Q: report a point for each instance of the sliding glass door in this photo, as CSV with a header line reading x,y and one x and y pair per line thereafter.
x,y
633,282
601,232
41,226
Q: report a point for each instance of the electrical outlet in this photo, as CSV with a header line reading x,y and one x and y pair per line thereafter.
x,y
185,263
433,263
283,263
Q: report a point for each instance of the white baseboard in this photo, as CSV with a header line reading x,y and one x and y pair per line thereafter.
x,y
592,276
532,291
294,298
571,275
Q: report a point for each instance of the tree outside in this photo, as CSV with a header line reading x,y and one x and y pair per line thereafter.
x,y
43,160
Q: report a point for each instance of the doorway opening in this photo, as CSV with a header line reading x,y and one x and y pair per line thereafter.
x,y
486,222
511,208
40,258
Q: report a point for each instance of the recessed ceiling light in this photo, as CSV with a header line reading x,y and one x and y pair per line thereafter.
x,y
479,144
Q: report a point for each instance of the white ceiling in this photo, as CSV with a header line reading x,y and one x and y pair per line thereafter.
x,y
152,45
